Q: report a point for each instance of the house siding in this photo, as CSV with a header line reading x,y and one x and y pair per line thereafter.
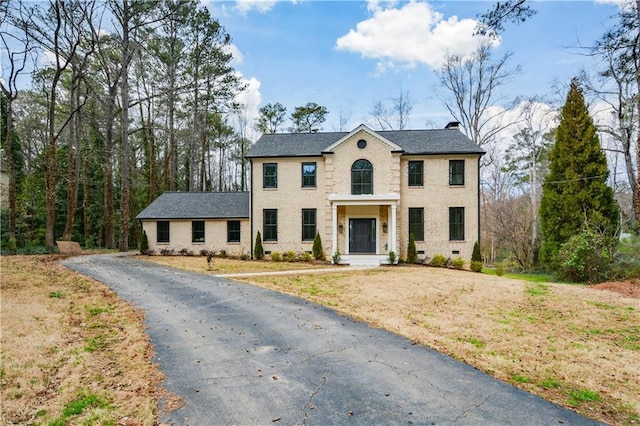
x,y
289,198
436,196
215,236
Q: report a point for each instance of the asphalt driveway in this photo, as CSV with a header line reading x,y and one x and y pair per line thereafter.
x,y
239,354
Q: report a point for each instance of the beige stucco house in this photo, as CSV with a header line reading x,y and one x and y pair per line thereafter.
x,y
363,192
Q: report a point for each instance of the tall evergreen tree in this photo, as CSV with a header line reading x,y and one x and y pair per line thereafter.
x,y
575,192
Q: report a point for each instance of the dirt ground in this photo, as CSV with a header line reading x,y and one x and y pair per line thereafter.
x,y
578,346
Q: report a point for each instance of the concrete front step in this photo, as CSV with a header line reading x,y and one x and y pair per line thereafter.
x,y
364,259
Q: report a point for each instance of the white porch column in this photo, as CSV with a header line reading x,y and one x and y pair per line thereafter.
x,y
334,228
392,229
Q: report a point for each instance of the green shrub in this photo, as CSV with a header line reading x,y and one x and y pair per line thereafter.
x,y
458,263
336,257
476,266
476,255
412,253
626,262
290,256
12,247
586,257
276,256
244,256
438,261
392,257
318,251
306,256
258,251
144,243
500,269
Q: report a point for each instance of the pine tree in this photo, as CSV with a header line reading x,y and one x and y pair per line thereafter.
x,y
412,253
476,258
258,251
317,250
575,192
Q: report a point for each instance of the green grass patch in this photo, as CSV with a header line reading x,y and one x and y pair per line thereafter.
x,y
56,295
77,407
97,310
579,396
92,344
550,383
534,278
520,379
538,289
472,340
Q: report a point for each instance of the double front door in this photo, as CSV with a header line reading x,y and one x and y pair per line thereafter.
x,y
362,236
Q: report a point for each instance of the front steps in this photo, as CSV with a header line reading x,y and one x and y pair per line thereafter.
x,y
364,259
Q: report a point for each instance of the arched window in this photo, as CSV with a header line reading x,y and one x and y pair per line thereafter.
x,y
361,177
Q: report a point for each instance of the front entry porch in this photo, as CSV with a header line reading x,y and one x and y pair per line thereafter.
x,y
364,228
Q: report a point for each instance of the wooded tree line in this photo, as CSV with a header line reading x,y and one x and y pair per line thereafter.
x,y
129,98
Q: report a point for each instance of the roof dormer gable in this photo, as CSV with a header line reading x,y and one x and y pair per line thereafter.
x,y
362,136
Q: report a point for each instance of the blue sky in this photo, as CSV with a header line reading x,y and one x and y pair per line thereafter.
x,y
346,55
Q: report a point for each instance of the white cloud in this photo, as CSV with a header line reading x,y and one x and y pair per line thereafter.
x,y
250,98
410,35
261,6
236,55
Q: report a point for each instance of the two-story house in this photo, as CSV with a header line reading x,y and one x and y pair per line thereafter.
x,y
364,192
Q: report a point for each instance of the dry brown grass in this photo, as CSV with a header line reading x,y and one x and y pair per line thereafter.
x,y
222,265
573,345
69,344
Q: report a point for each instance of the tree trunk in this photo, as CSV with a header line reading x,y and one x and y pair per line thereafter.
x,y
73,160
11,169
124,139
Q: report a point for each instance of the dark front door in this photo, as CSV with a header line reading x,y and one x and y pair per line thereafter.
x,y
362,235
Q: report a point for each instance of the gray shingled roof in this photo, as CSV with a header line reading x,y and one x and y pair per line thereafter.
x,y
438,141
198,205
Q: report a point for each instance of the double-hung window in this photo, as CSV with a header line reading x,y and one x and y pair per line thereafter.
x,y
162,231
456,223
416,173
270,224
308,224
309,175
270,175
197,231
416,223
456,172
233,231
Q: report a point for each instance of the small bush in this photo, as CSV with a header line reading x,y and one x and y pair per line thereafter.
x,y
144,243
336,257
223,253
476,266
185,252
205,252
318,251
412,253
276,256
586,257
393,258
458,263
438,261
500,269
306,257
258,250
245,256
476,255
167,252
290,256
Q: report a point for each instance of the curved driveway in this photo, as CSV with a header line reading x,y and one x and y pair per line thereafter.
x,y
239,354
